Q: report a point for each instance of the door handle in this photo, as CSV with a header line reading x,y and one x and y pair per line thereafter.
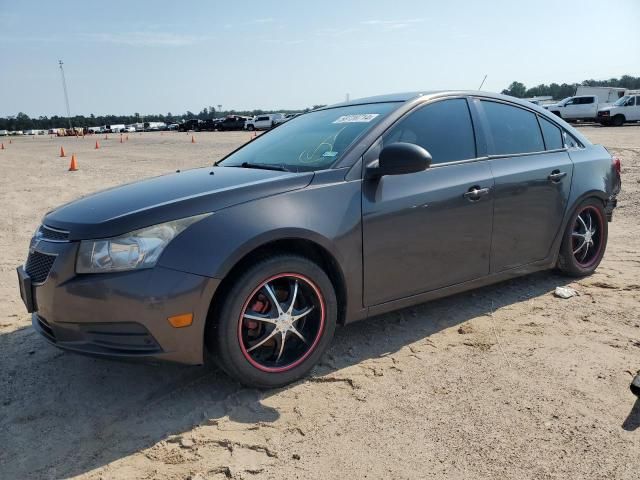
x,y
475,193
556,176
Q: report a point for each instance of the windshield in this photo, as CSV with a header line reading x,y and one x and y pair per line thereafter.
x,y
313,141
621,101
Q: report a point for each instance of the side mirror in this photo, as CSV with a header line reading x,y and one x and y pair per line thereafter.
x,y
399,159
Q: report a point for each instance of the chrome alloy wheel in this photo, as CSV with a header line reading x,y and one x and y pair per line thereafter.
x,y
281,322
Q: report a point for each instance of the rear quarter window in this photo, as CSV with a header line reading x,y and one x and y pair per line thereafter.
x,y
552,134
513,129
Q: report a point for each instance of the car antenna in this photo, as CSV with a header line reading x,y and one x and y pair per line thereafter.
x,y
480,87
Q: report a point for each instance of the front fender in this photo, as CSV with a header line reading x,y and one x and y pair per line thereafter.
x,y
327,212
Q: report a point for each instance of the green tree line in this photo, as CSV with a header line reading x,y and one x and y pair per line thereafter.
x,y
559,91
22,121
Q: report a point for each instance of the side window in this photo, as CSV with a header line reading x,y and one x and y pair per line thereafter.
x,y
513,129
552,134
443,128
587,100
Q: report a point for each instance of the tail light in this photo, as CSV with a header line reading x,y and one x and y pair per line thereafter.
x,y
617,165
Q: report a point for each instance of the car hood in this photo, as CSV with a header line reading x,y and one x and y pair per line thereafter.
x,y
156,200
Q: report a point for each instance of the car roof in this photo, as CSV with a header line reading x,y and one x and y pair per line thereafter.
x,y
402,98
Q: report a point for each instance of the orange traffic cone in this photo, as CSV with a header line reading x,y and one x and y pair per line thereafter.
x,y
2,147
106,137
193,140
255,135
62,152
120,138
97,145
127,138
73,166
10,141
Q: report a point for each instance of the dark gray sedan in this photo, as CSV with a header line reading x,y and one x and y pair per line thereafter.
x,y
339,214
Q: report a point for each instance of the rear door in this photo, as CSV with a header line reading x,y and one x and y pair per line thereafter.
x,y
426,230
532,172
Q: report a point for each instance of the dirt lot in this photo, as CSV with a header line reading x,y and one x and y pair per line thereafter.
x,y
507,382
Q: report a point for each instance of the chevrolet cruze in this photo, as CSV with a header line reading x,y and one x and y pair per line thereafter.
x,y
340,214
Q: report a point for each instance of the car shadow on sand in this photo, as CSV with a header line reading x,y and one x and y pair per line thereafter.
x,y
632,422
63,414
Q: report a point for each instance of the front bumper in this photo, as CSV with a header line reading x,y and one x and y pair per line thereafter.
x,y
122,315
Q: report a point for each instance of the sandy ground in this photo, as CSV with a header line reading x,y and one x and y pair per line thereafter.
x,y
506,382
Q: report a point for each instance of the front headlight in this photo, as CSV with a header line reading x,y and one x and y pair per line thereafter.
x,y
138,249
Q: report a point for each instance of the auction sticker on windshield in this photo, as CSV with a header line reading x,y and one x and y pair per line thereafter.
x,y
358,118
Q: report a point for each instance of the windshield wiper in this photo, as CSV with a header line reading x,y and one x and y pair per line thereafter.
x,y
264,166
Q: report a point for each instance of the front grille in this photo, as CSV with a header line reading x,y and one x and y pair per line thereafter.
x,y
49,233
38,266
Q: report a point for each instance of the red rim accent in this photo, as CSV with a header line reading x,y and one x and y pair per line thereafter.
x,y
315,341
600,227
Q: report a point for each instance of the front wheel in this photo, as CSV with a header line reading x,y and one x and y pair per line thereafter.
x,y
618,120
251,128
585,240
275,322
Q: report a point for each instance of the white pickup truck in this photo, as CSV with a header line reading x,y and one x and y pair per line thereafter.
x,y
582,107
263,122
626,109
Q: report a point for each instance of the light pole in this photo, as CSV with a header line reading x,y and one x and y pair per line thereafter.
x,y
220,110
66,95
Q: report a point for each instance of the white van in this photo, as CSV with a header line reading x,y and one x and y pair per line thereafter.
x,y
263,122
627,109
4,133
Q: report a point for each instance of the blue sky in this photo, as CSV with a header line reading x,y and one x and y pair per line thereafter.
x,y
159,56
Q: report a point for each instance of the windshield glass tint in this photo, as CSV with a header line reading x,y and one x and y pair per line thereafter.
x,y
313,141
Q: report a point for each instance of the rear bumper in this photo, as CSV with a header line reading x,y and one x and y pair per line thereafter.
x,y
121,315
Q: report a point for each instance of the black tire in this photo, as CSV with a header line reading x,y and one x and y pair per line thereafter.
x,y
229,339
618,120
578,262
251,128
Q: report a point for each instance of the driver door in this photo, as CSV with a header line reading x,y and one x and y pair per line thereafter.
x,y
423,231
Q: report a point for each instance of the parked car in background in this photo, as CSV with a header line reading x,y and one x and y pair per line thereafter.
x,y
172,126
190,125
231,122
344,213
114,128
4,133
576,108
286,118
604,94
263,122
128,129
626,109
154,126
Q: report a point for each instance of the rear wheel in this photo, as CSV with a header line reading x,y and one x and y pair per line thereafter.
x,y
585,240
275,322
